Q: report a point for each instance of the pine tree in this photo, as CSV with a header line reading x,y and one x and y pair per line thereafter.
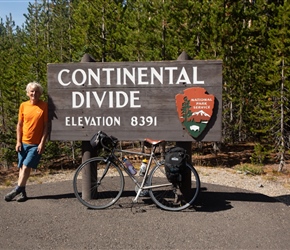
x,y
279,38
11,93
58,25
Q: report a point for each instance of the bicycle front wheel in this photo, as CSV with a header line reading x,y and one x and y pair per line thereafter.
x,y
174,197
98,183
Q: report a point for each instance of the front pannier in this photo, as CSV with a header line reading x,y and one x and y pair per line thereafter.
x,y
175,163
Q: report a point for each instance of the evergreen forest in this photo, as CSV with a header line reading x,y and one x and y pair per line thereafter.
x,y
252,37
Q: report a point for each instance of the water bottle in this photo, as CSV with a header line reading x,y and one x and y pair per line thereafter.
x,y
143,167
130,167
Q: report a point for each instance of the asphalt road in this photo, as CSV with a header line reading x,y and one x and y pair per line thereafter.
x,y
222,218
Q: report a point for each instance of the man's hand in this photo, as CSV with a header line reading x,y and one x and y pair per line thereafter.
x,y
18,146
40,148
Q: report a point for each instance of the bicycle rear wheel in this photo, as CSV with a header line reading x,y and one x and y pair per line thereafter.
x,y
98,183
170,196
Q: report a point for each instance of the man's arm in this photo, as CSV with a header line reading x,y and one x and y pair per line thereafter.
x,y
41,145
19,136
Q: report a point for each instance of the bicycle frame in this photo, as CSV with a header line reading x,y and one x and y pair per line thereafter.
x,y
152,158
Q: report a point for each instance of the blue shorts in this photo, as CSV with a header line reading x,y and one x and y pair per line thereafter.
x,y
28,156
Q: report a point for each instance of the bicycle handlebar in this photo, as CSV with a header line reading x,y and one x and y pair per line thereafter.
x,y
103,140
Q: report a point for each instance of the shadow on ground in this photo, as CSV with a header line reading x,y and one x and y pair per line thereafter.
x,y
212,198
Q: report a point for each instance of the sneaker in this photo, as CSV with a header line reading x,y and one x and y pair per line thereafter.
x,y
10,196
22,197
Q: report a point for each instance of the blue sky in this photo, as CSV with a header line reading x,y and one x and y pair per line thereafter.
x,y
16,8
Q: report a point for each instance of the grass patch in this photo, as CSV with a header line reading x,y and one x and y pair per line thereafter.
x,y
35,179
8,183
250,169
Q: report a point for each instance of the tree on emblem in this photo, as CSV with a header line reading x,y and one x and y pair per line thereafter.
x,y
186,113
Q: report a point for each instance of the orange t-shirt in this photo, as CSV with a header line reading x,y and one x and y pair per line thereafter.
x,y
34,118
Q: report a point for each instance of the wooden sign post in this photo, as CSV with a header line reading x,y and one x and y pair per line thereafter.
x,y
187,145
87,153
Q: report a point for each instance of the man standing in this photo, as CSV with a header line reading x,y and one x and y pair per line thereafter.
x,y
32,130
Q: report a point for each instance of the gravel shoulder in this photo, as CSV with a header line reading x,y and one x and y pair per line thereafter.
x,y
273,186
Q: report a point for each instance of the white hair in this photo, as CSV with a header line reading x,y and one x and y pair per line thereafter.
x,y
34,85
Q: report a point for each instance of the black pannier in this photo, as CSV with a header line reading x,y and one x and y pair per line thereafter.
x,y
175,163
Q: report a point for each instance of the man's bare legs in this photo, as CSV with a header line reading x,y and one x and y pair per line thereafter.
x,y
24,173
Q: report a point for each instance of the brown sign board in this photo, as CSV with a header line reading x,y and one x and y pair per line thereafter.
x,y
131,100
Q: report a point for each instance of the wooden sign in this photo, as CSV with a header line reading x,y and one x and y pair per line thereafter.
x,y
135,100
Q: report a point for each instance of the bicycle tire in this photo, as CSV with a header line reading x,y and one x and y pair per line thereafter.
x,y
172,197
94,190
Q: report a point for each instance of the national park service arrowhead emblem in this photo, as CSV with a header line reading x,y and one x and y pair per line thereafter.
x,y
195,109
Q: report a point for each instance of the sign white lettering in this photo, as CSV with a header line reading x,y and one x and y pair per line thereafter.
x,y
92,121
116,99
123,76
